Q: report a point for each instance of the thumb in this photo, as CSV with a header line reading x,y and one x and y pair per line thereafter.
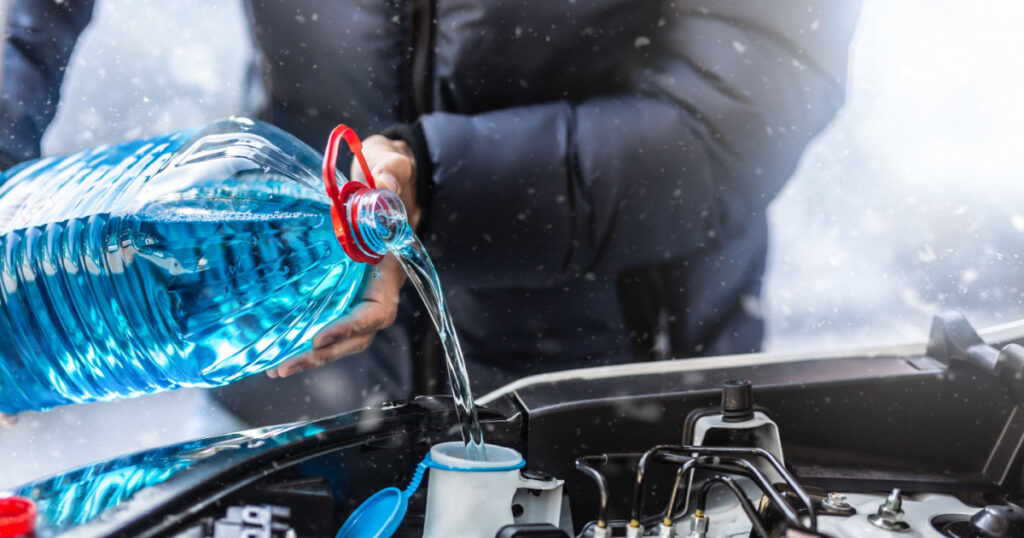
x,y
387,180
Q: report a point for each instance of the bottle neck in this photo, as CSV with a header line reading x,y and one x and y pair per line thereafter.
x,y
380,221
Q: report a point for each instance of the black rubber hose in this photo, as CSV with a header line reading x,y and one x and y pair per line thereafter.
x,y
773,461
682,453
747,469
641,469
744,468
584,465
683,469
602,484
745,503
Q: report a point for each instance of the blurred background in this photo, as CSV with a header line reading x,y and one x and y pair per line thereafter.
x,y
909,204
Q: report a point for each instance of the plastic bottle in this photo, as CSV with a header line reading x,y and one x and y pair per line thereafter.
x,y
192,259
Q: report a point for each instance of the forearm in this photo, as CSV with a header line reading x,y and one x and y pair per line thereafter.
x,y
715,122
536,195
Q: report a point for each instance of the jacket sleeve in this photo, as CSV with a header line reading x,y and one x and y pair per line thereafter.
x,y
38,38
716,118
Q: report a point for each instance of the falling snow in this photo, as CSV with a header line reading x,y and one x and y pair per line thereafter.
x,y
907,205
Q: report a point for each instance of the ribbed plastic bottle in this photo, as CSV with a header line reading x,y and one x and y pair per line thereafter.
x,y
192,259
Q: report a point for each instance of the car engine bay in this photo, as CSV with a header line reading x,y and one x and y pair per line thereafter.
x,y
888,442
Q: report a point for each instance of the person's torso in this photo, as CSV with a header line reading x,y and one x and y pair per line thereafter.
x,y
374,64
378,63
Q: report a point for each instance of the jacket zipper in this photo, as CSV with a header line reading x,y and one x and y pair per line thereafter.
x,y
421,65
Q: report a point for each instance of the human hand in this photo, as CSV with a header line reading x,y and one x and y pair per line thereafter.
x,y
7,421
393,167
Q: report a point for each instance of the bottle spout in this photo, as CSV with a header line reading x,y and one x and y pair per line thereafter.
x,y
368,221
381,223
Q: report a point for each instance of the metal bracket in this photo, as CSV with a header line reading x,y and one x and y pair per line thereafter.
x,y
954,341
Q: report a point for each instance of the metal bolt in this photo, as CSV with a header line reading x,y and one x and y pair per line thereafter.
x,y
634,531
836,501
837,504
894,501
699,525
890,514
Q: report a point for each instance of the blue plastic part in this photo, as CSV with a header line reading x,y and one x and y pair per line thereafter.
x,y
381,514
443,467
378,517
417,476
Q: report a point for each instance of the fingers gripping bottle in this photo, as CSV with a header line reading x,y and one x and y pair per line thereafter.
x,y
192,259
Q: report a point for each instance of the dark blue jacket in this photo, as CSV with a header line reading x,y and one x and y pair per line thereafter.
x,y
594,169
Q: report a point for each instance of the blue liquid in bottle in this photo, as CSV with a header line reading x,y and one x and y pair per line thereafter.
x,y
193,259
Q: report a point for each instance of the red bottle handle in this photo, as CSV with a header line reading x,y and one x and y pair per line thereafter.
x,y
347,229
331,158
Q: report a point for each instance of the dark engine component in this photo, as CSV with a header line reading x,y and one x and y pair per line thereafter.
x,y
531,530
264,521
737,401
784,503
994,521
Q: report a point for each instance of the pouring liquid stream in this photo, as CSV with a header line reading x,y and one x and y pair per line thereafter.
x,y
385,228
419,268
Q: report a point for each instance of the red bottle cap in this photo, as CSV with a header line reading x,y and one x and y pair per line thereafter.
x,y
17,516
347,229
